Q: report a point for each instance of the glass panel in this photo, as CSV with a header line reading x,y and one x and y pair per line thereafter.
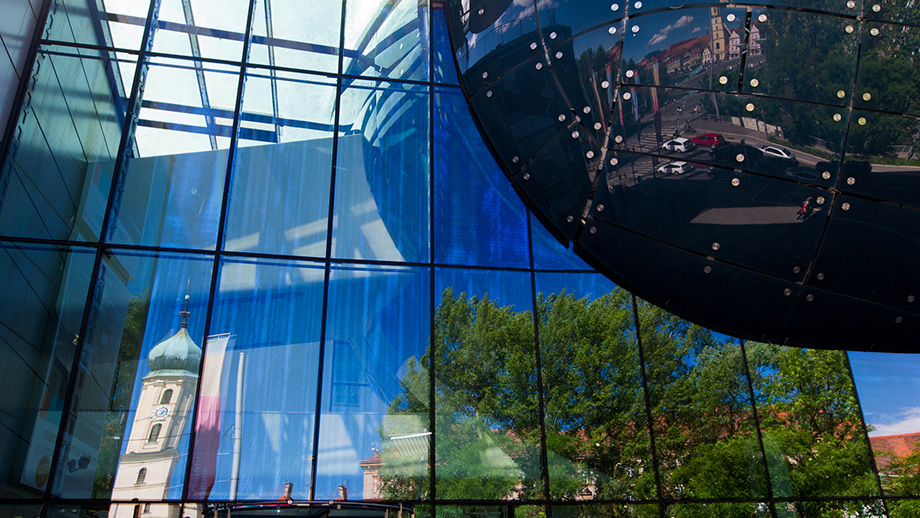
x,y
858,508
175,166
487,430
149,510
146,319
480,220
606,510
882,157
812,430
719,510
90,22
827,46
374,432
597,434
887,386
445,71
387,38
62,155
40,311
77,511
202,28
705,430
279,190
382,173
260,378
20,510
297,34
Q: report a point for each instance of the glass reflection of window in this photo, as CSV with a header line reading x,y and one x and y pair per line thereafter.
x,y
167,397
142,475
154,433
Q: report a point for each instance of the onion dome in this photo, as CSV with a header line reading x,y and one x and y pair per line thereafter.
x,y
178,355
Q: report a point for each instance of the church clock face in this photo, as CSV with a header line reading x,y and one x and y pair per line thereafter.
x,y
160,413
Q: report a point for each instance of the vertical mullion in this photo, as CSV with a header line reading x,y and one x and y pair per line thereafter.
x,y
541,396
328,260
215,267
432,295
763,451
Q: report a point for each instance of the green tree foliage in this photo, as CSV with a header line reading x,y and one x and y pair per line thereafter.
x,y
597,426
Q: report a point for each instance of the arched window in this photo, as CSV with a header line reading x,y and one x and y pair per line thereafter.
x,y
154,433
167,397
141,476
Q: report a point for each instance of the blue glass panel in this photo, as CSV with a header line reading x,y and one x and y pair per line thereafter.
x,y
387,38
267,317
174,173
88,22
40,312
297,34
382,173
283,163
549,253
479,219
445,71
139,342
375,384
59,169
487,421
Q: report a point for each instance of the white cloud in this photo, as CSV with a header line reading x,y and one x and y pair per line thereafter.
x,y
906,421
696,30
662,35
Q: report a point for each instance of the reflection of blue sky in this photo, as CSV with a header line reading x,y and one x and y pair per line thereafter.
x,y
889,391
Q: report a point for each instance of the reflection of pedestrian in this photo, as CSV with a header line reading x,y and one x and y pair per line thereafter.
x,y
805,211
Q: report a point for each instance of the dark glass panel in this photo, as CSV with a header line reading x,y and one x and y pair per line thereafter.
x,y
174,169
80,510
296,34
597,434
20,510
487,431
488,27
720,510
834,6
578,16
260,377
40,311
61,159
139,341
704,424
888,73
882,157
374,432
279,188
864,231
811,426
201,28
445,71
804,56
858,508
382,173
549,253
387,38
480,220
684,47
891,10
887,386
88,22
743,219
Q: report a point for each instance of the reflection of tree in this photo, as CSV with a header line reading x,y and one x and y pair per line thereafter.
x,y
699,393
903,479
122,388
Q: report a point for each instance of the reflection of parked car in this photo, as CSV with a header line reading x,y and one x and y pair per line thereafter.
x,y
679,144
781,153
676,168
803,173
710,140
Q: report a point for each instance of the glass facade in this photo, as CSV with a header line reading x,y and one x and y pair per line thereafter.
x,y
257,252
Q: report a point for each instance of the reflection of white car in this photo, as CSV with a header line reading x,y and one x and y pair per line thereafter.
x,y
779,152
679,144
676,168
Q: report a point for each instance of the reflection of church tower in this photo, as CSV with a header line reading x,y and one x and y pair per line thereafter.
x,y
146,468
719,39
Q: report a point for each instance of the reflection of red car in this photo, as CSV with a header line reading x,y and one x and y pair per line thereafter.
x,y
711,140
